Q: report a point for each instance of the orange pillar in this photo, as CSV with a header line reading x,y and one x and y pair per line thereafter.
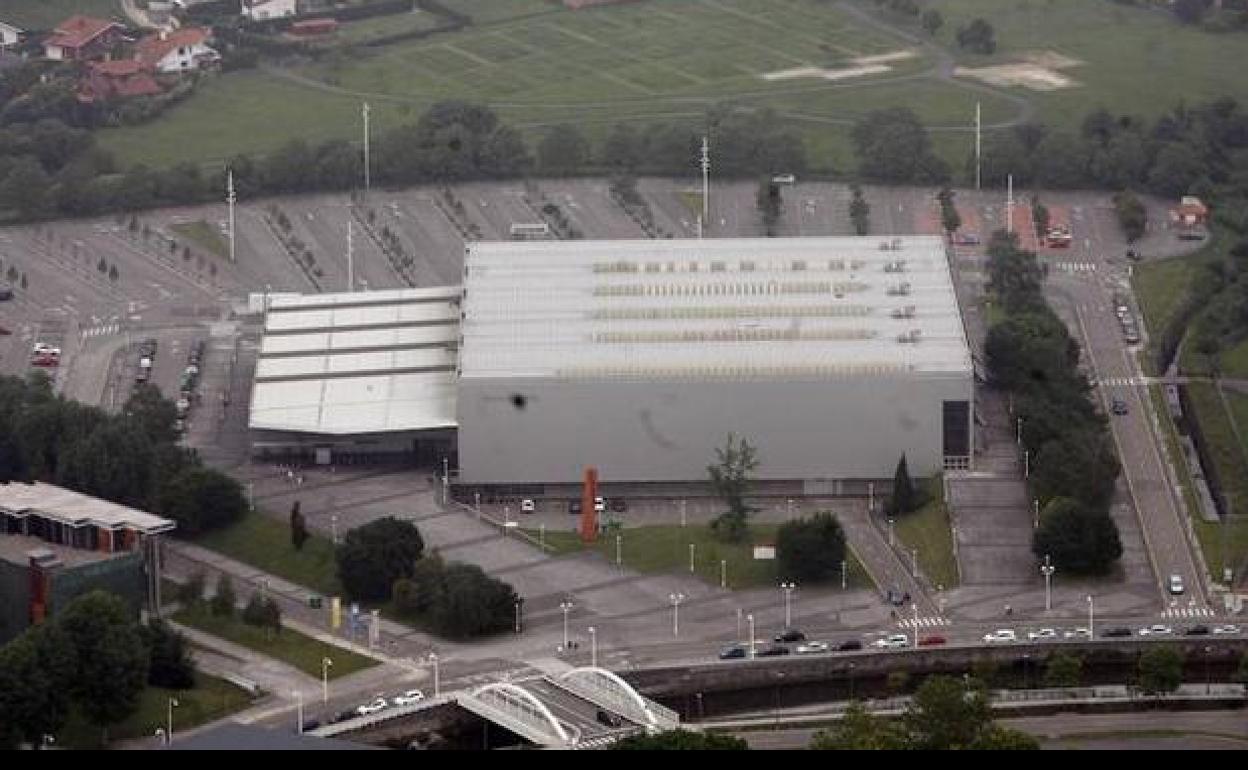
x,y
589,517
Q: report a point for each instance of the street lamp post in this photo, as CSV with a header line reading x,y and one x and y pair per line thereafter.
x,y
789,508
1091,617
844,574
1018,431
1047,569
593,647
298,714
567,607
870,497
723,573
1208,681
683,513
519,602
692,547
333,528
788,589
437,681
1035,514
619,542
739,616
750,618
914,611
173,702
914,562
890,531
1026,464
326,663
676,599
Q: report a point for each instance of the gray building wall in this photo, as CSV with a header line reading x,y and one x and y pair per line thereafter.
x,y
645,430
121,574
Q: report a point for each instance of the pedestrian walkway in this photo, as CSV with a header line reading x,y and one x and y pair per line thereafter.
x,y
925,622
1075,267
881,561
1188,612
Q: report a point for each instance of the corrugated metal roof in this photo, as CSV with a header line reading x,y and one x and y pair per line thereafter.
x,y
757,307
76,509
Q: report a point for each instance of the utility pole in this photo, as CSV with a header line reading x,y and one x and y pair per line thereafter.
x,y
350,256
979,127
706,180
231,197
367,166
1009,204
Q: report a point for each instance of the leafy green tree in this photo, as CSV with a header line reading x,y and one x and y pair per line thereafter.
x,y
1080,540
223,600
905,497
997,738
471,603
201,499
859,211
681,740
950,219
1063,160
1028,350
860,731
415,595
621,149
191,592
897,681
810,550
944,715
730,478
1132,216
152,413
932,21
1175,169
36,673
1161,670
1242,673
112,660
373,556
562,150
1063,670
26,189
978,37
894,147
1040,216
298,527
171,666
263,612
770,205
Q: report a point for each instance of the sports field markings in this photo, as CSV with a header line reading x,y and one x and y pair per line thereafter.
x,y
769,23
467,54
605,75
527,46
633,58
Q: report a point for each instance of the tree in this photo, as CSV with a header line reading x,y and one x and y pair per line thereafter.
x,y
1242,673
997,738
950,219
897,681
113,275
112,660
894,147
263,612
471,603
375,555
681,740
191,592
562,150
26,189
1063,670
730,478
859,211
1079,539
978,37
171,666
36,674
944,715
621,150
932,21
1161,670
1190,11
770,205
152,413
223,600
298,527
810,550
415,596
860,731
1040,216
1132,216
1175,169
905,497
201,499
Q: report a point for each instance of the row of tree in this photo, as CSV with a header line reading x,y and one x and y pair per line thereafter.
x,y
94,658
1073,466
130,458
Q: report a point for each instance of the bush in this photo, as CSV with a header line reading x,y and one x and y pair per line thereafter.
x,y
471,603
223,600
372,557
263,612
810,550
170,665
191,592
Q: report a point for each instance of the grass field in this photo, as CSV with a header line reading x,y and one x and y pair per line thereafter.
x,y
291,647
665,549
1215,424
46,14
928,530
264,543
1234,361
211,699
203,236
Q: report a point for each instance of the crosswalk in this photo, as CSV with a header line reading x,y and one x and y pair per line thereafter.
x,y
101,330
1075,267
1120,382
1188,612
925,622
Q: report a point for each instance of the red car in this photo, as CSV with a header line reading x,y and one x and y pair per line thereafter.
x,y
932,641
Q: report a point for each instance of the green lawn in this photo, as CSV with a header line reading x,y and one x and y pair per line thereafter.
x,y
264,543
928,530
46,14
292,647
1234,362
1161,287
211,699
204,236
1215,426
665,549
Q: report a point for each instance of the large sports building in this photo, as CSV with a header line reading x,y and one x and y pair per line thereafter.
x,y
832,356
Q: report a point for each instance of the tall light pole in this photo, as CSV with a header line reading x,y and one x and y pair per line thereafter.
x,y
333,528
367,165
979,127
750,618
1026,464
1035,514
788,589
437,682
844,574
1047,569
739,616
326,663
870,497
519,602
692,547
890,531
676,599
298,714
789,508
231,197
914,611
173,702
914,562
619,553
683,513
350,256
1091,617
706,179
1018,431
593,647
1009,204
567,607
723,573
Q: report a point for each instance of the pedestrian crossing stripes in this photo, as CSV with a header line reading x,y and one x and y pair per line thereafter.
x,y
1075,267
1188,612
100,331
1120,382
924,622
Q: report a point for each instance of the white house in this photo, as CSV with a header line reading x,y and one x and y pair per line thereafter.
x,y
9,35
261,10
182,50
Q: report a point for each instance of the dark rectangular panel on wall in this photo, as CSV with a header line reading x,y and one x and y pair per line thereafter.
x,y
956,428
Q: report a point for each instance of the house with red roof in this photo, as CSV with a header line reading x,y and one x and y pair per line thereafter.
x,y
119,79
82,38
179,50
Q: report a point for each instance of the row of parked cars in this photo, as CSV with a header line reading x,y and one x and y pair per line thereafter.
x,y
1126,318
1007,635
381,703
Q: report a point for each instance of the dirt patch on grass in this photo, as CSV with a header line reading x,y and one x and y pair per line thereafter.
x,y
860,66
1039,71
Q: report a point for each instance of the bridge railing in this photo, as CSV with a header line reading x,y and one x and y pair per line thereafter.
x,y
605,693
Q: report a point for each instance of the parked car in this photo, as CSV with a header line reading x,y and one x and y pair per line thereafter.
x,y
898,598
609,719
812,647
372,707
409,697
1042,635
773,650
1001,635
527,506
892,642
790,635
1118,406
1076,633
735,651
6,292
1175,584
1157,629
1111,633
1226,629
849,645
1200,630
784,179
933,640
